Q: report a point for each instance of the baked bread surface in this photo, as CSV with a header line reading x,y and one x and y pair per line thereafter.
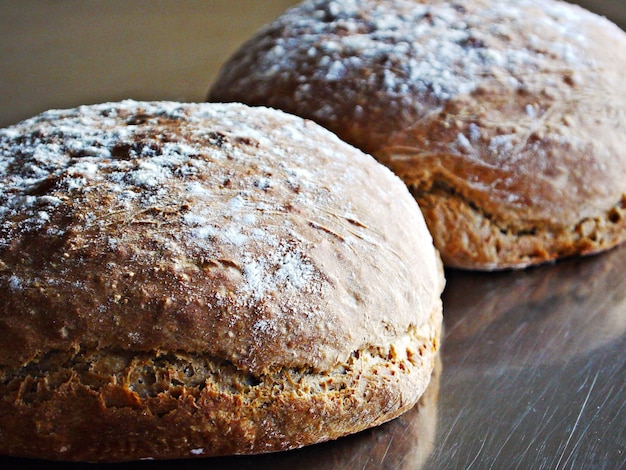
x,y
180,280
506,119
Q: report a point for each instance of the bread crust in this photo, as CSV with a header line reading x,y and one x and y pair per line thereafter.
x,y
203,279
505,118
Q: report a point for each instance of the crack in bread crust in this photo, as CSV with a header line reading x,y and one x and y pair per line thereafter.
x,y
491,243
150,392
148,374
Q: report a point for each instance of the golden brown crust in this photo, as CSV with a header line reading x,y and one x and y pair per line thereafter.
x,y
201,276
164,405
508,115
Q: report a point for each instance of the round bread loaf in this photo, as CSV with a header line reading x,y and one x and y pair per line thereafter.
x,y
506,118
183,280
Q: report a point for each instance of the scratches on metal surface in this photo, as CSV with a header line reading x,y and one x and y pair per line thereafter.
x,y
575,427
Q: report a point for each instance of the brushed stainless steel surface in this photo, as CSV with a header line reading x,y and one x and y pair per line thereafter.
x,y
533,367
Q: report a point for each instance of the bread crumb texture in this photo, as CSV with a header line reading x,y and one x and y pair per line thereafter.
x,y
506,118
185,280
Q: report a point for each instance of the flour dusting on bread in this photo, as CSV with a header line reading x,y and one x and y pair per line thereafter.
x,y
235,275
505,118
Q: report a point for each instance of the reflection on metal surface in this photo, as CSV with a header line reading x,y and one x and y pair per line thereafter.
x,y
535,367
545,315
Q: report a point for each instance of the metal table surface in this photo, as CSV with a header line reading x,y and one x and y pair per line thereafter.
x,y
532,367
